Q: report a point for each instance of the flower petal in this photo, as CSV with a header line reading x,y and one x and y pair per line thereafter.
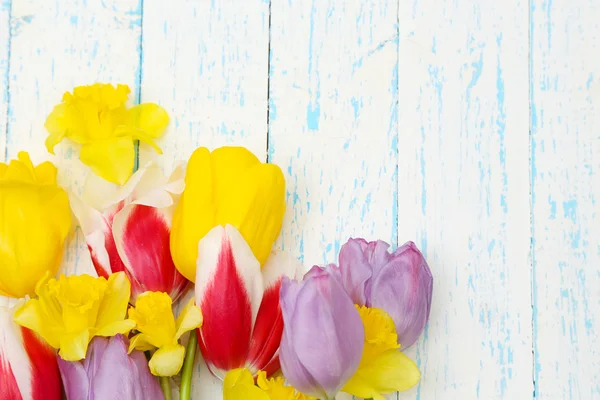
x,y
190,318
150,118
268,328
113,307
226,265
142,342
142,237
390,372
167,360
239,385
111,158
355,270
73,346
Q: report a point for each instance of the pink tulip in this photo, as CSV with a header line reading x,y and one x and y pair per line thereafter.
x,y
28,367
128,229
240,303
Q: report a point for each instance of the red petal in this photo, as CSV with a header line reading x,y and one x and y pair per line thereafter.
x,y
115,263
225,332
9,389
267,330
143,236
45,376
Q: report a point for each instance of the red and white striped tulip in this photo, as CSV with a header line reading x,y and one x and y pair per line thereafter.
x,y
128,228
28,367
243,324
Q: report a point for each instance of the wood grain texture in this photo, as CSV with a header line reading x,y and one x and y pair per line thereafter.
x,y
4,61
54,47
332,123
207,64
565,159
463,191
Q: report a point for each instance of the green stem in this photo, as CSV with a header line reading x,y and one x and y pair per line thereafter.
x,y
188,367
165,386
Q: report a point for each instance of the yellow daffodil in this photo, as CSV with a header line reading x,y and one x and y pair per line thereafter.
x,y
159,330
228,186
239,385
96,117
70,311
35,222
383,367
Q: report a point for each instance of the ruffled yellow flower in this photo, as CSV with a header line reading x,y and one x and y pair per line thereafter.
x,y
239,385
228,186
383,367
35,222
70,311
96,117
159,330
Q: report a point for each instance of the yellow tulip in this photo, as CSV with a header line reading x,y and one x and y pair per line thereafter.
x,y
35,220
159,330
383,367
228,186
96,117
70,311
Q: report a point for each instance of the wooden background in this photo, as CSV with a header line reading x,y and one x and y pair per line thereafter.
x,y
468,126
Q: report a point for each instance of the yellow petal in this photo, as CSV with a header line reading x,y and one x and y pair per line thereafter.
x,y
390,372
153,316
57,126
36,220
256,206
239,385
150,118
277,389
111,159
45,173
34,315
167,360
229,185
113,307
116,327
190,318
141,342
73,346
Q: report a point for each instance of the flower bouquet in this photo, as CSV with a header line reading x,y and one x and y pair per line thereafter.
x,y
185,262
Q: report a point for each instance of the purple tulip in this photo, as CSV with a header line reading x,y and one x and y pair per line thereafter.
x,y
400,283
108,372
323,335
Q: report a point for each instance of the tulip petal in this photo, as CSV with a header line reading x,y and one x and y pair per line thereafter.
x,y
243,205
167,360
392,371
142,237
268,327
190,318
403,287
112,158
226,265
357,270
75,379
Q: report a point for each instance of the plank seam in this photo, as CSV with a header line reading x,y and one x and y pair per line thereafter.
x,y
7,79
534,352
269,54
138,96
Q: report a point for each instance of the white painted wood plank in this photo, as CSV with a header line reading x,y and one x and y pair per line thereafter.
x,y
565,107
463,191
207,64
54,47
4,56
333,120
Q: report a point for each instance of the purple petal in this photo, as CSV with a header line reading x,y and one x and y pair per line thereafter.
x,y
403,288
356,269
323,334
75,379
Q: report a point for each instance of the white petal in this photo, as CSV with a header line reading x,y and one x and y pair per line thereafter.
x,y
11,347
280,264
247,266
